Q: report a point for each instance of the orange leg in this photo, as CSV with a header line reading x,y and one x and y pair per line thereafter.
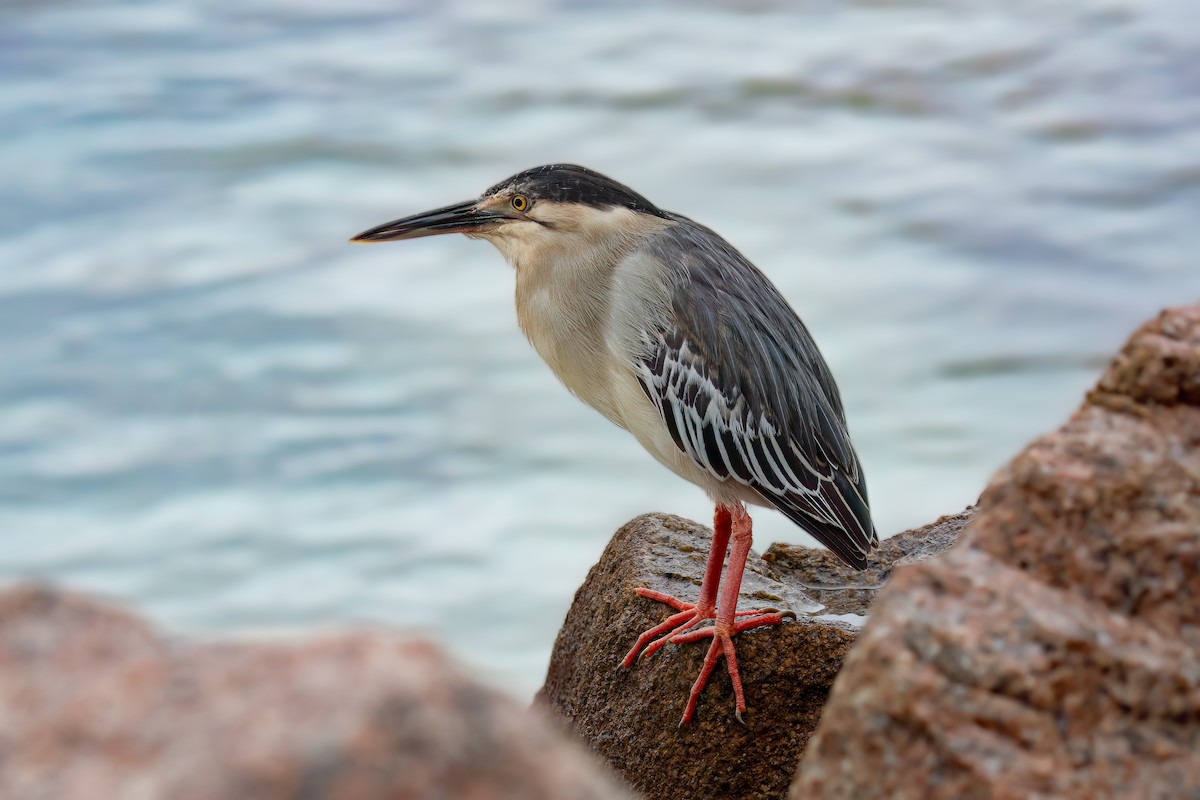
x,y
652,641
676,629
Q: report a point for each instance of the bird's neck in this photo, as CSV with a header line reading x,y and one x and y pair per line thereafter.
x,y
562,301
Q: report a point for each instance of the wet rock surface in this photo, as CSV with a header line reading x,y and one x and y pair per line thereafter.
x,y
814,569
1055,653
631,718
95,704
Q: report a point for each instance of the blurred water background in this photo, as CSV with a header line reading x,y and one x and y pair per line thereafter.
x,y
212,406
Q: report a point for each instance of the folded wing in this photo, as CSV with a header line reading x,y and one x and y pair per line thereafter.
x,y
744,391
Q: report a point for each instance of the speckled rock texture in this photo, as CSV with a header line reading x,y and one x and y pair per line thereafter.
x,y
1055,652
631,718
96,704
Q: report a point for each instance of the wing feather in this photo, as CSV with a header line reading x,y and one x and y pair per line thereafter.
x,y
744,391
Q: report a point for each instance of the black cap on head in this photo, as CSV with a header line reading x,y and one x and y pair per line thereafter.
x,y
570,183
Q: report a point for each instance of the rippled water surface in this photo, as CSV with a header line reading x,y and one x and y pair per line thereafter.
x,y
214,407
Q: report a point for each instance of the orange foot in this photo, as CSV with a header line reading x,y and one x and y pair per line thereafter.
x,y
676,629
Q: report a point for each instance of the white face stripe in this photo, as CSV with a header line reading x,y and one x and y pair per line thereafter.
x,y
569,234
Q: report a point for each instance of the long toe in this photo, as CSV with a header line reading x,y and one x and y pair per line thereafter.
x,y
670,626
653,639
722,644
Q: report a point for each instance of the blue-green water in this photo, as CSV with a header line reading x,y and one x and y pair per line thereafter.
x,y
213,407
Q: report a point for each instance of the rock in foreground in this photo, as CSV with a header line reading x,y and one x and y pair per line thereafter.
x,y
632,718
95,704
1055,653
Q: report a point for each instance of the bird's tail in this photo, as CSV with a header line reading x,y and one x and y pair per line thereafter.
x,y
852,536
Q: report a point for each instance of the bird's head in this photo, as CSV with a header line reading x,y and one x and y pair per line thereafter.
x,y
544,209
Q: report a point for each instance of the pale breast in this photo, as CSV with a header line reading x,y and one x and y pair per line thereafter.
x,y
564,321
586,321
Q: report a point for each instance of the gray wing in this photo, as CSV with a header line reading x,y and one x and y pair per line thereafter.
x,y
745,393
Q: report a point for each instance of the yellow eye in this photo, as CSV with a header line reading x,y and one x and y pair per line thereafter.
x,y
520,202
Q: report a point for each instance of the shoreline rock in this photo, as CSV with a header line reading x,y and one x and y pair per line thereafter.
x,y
97,704
630,718
1055,652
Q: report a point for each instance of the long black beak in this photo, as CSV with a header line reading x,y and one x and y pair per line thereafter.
x,y
458,218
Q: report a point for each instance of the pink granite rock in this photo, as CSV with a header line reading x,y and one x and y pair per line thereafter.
x,y
96,704
1055,652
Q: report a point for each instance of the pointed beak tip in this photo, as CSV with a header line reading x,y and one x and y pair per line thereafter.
x,y
458,218
380,233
